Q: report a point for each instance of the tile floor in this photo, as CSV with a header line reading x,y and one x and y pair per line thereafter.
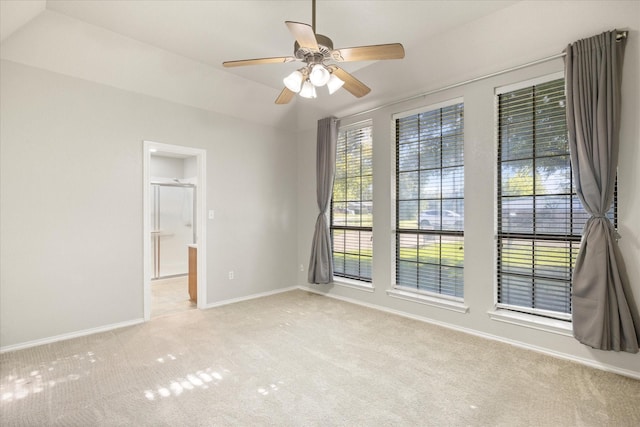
x,y
170,296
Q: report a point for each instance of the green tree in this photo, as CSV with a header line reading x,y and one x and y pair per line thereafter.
x,y
522,184
532,124
353,178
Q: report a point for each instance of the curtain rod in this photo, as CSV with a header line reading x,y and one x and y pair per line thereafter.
x,y
621,35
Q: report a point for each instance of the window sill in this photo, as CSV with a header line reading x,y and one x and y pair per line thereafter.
x,y
531,321
354,284
432,301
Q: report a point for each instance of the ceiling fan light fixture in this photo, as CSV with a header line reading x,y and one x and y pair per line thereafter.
x,y
308,90
334,84
317,52
319,75
293,81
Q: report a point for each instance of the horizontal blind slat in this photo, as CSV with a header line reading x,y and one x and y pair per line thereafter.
x,y
352,204
536,200
430,206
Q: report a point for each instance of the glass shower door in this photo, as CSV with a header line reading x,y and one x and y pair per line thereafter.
x,y
173,228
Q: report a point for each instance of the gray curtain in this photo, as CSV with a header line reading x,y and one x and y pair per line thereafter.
x,y
605,316
321,263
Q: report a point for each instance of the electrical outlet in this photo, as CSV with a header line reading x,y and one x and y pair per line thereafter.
x,y
212,214
301,267
231,275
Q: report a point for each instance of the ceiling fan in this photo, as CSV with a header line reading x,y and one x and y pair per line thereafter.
x,y
316,51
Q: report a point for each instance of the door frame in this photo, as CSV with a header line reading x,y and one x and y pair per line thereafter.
x,y
201,215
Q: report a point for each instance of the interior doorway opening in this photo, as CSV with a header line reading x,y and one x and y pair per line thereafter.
x,y
174,229
173,226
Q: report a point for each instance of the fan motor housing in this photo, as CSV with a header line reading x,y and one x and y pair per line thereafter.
x,y
324,43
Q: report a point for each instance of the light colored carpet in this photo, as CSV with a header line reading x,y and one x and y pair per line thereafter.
x,y
299,359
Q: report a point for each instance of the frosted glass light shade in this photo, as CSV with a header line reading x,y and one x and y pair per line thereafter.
x,y
308,90
293,81
319,75
334,84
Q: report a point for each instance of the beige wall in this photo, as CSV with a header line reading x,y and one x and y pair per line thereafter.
x,y
516,35
71,202
71,167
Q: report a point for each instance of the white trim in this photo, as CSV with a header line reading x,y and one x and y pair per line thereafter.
x,y
354,284
587,362
249,297
391,238
496,144
440,301
433,301
356,125
528,83
146,229
427,108
532,321
201,218
63,337
534,312
107,328
342,281
201,232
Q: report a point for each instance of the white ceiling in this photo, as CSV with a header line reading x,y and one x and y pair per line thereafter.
x,y
217,31
15,14
213,31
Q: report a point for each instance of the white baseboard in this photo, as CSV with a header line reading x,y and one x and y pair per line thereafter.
x,y
249,297
106,328
560,355
70,335
557,354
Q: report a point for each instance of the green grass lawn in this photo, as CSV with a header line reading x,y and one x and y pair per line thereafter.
x,y
451,254
544,256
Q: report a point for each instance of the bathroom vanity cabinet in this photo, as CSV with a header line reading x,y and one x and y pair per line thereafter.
x,y
193,273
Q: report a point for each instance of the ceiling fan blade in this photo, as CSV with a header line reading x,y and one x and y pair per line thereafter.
x,y
243,62
285,96
351,84
304,35
369,53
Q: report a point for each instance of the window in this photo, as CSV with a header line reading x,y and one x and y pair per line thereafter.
x,y
540,217
430,200
352,204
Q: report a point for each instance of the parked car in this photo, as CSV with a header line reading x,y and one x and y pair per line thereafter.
x,y
434,219
561,215
342,209
360,208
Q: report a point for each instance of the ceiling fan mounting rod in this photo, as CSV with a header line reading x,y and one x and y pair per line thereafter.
x,y
313,15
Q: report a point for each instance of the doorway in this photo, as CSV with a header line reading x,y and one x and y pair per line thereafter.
x,y
173,223
174,188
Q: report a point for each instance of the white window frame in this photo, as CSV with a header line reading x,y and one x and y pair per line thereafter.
x,y
555,322
346,281
432,299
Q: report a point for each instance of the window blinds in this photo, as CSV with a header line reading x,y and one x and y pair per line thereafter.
x,y
539,216
430,200
352,204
